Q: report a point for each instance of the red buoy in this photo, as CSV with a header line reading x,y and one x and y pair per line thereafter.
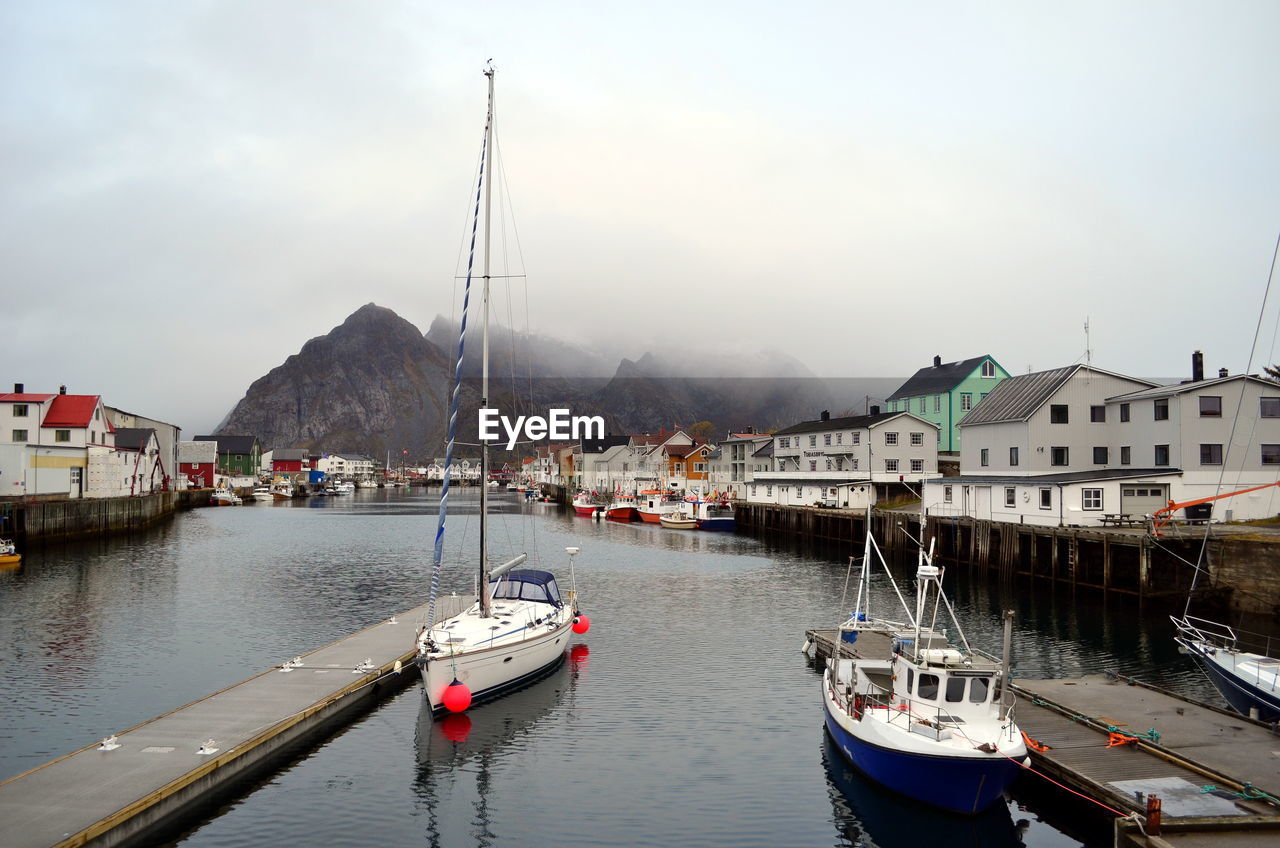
x,y
581,624
457,697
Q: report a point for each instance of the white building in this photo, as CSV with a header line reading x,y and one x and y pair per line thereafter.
x,y
45,441
346,466
739,463
1073,445
840,461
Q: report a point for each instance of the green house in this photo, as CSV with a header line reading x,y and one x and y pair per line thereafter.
x,y
237,455
945,392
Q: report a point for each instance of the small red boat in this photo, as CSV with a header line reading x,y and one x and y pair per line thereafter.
x,y
653,503
623,508
584,504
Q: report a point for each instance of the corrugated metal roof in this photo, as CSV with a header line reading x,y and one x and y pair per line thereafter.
x,y
1016,398
133,438
937,379
1180,388
233,444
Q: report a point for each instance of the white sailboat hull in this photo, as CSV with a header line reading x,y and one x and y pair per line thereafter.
x,y
513,660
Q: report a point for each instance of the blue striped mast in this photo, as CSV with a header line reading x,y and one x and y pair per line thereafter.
x,y
438,554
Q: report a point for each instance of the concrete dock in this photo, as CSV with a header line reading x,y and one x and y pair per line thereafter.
x,y
1217,773
170,764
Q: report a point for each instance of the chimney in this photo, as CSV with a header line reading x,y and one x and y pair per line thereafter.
x,y
17,388
937,361
1222,372
1197,367
875,409
62,390
826,415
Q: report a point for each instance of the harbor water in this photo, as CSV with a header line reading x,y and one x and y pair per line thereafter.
x,y
686,716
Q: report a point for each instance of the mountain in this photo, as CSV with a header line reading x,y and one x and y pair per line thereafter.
x,y
376,384
372,384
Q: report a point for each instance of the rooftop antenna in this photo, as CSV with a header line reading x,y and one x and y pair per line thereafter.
x,y
1088,351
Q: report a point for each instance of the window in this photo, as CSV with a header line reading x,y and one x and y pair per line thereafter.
x,y
1162,409
1099,456
826,439
784,442
699,467
813,465
1124,412
839,463
955,689
911,678
854,465
799,492
917,466
62,435
937,403
1268,407
966,401
20,410
813,441
1271,454
828,465
1058,413
1210,406
839,438
1162,455
1013,456
890,438
19,435
855,437
1125,454
891,465
1091,498
978,689
1058,456
1046,498
982,457
1010,496
1098,414
1211,454
921,406
917,438
988,368
928,687
946,494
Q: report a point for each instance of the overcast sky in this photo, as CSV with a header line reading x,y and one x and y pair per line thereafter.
x,y
192,190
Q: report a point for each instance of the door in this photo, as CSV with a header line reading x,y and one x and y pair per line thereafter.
x,y
77,483
1143,498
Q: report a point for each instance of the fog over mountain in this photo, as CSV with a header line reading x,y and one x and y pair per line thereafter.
x,y
376,385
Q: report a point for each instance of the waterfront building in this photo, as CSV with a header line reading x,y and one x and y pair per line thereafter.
x,y
606,463
198,463
847,462
45,441
944,393
687,466
1078,445
237,455
345,466
167,436
738,457
135,466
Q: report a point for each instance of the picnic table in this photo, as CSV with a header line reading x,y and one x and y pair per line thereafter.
x,y
1120,519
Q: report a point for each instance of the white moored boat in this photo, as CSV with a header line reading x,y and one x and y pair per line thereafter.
x,y
521,623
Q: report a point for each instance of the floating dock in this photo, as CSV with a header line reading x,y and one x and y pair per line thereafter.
x,y
148,776
1216,773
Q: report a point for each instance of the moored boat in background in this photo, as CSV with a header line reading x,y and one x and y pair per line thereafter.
x,y
9,555
1248,680
623,508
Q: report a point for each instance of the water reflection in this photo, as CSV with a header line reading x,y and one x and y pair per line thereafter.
x,y
458,754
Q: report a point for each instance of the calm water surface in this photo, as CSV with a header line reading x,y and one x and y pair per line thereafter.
x,y
687,715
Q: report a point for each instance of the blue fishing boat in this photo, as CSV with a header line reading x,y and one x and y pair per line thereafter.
x,y
929,720
1249,681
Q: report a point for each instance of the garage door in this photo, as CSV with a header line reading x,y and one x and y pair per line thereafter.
x,y
1143,498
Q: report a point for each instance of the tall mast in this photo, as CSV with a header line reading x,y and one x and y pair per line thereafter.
x,y
485,602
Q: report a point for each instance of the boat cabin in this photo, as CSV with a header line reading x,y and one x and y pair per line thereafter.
x,y
527,584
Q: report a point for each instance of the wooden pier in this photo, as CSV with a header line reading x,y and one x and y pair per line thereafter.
x,y
1216,773
1123,561
170,764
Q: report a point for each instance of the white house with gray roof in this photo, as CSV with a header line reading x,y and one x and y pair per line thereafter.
x,y
839,461
1075,445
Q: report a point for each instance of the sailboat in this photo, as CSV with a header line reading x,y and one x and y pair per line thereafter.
x,y
925,718
1248,680
521,623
